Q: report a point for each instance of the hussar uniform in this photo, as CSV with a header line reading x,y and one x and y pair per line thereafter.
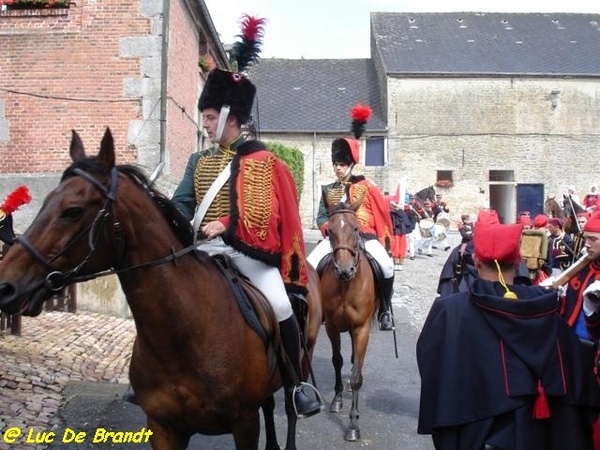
x,y
373,217
258,206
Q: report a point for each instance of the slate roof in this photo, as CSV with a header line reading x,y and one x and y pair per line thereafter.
x,y
540,44
314,95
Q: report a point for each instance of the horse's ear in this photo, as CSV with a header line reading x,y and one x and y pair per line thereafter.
x,y
76,150
106,156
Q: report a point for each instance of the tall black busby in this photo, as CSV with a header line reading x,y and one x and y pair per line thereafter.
x,y
233,88
347,150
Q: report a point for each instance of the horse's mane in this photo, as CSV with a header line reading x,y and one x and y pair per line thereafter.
x,y
176,220
340,207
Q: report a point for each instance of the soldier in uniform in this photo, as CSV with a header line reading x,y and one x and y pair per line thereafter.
x,y
373,214
254,215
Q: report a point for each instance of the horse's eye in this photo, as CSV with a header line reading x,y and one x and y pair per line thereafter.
x,y
72,213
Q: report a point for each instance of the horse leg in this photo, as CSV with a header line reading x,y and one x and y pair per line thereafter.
x,y
338,361
165,438
290,443
360,340
246,431
268,408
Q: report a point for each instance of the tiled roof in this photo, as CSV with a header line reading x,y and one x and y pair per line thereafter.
x,y
540,44
314,95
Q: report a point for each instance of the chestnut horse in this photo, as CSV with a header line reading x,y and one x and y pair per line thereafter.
x,y
197,366
349,303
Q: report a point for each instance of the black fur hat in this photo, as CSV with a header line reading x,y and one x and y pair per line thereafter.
x,y
223,87
347,150
233,88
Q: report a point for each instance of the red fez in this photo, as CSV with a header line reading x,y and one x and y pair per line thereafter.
x,y
488,216
593,223
524,219
497,242
555,222
541,220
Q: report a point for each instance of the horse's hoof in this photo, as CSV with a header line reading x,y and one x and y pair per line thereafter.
x,y
336,406
352,435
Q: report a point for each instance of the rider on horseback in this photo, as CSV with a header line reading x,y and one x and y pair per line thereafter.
x,y
253,215
373,214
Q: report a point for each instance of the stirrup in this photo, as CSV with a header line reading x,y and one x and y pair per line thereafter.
x,y
319,397
389,324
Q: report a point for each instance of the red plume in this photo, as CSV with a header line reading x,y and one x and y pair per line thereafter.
x,y
360,116
361,113
15,200
252,27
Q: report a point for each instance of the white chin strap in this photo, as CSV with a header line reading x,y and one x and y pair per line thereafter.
x,y
347,172
223,115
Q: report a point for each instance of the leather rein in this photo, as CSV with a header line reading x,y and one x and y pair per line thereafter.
x,y
56,280
354,251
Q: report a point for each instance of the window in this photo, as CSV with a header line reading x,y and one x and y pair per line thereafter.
x,y
375,151
502,175
444,178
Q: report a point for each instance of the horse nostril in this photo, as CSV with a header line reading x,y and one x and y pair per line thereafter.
x,y
7,292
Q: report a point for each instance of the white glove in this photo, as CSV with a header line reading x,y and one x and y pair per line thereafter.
x,y
591,298
548,282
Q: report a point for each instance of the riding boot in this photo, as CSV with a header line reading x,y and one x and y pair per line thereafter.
x,y
290,339
385,308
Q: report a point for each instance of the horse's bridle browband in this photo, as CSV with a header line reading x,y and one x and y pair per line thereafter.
x,y
56,280
354,251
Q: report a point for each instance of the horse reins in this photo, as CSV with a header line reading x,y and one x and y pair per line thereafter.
x,y
56,280
354,251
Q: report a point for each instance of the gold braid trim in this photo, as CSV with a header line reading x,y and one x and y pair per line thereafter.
x,y
296,249
335,194
363,214
207,170
257,181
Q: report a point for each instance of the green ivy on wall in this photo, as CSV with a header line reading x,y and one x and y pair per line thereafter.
x,y
294,158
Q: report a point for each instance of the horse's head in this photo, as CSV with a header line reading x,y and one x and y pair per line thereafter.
x,y
344,236
552,208
68,237
427,193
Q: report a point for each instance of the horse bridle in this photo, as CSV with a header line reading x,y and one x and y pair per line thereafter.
x,y
56,280
354,251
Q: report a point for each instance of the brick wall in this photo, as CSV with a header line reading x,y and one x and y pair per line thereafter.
x,y
65,71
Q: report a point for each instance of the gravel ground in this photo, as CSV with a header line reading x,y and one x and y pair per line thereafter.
x,y
416,285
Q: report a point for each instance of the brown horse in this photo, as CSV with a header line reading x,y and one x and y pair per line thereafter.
x,y
349,303
552,208
197,366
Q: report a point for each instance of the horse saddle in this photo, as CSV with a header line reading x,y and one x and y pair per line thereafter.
x,y
252,303
255,307
377,273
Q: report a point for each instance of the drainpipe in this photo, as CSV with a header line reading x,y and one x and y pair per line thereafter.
x,y
164,70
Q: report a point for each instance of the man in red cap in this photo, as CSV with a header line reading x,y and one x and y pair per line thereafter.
x,y
579,302
540,221
459,269
499,366
560,246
